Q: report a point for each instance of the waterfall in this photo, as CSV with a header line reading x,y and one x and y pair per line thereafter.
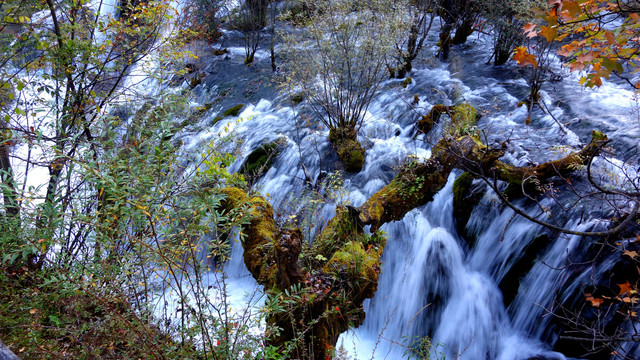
x,y
434,282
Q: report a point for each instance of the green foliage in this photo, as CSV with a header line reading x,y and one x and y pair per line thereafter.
x,y
424,349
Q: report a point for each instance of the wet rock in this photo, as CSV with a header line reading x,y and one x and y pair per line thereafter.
x,y
260,160
511,282
234,110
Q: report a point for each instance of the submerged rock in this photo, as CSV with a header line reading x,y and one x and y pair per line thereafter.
x,y
260,160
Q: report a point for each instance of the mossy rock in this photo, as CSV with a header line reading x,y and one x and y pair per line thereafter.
x,y
463,119
338,134
360,267
406,82
427,122
219,52
261,159
464,200
351,153
297,98
342,228
234,110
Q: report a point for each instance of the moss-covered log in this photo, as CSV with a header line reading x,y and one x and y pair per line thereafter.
x,y
527,179
260,160
463,117
260,236
321,300
416,184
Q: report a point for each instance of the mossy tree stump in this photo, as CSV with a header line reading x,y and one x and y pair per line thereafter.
x,y
348,148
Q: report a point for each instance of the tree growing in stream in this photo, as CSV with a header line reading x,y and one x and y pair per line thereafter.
x,y
338,62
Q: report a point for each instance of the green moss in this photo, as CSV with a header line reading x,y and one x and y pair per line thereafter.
x,y
219,52
260,234
598,136
465,113
352,154
463,120
216,119
234,110
353,260
407,82
340,229
427,122
297,98
461,189
261,159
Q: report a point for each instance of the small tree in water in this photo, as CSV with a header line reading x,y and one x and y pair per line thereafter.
x,y
338,62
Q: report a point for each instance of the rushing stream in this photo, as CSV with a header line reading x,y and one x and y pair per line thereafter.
x,y
434,282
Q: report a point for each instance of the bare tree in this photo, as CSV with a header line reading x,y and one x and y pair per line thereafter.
x,y
339,61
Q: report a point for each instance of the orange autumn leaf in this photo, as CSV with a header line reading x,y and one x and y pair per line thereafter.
x,y
611,38
571,9
631,254
629,300
595,302
524,58
625,288
549,33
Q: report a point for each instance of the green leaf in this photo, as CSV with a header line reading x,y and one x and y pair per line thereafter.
x,y
54,319
612,65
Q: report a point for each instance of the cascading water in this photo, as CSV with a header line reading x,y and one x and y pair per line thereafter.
x,y
433,282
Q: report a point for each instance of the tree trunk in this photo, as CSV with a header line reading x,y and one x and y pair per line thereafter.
x,y
6,173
